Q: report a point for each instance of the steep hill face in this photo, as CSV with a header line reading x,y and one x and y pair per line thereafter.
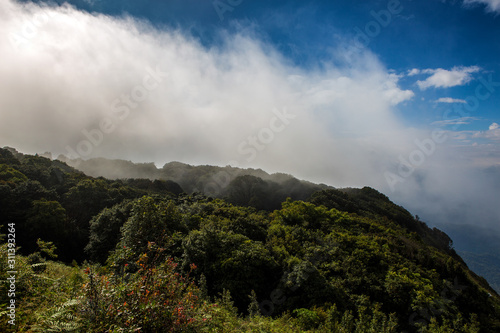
x,y
333,258
369,203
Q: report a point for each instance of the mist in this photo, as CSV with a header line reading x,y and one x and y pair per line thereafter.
x,y
89,85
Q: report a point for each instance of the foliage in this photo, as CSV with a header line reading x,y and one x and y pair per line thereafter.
x,y
41,295
105,231
343,261
53,201
154,299
10,176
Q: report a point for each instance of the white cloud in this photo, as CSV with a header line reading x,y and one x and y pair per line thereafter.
x,y
393,93
450,100
75,69
413,72
492,135
458,121
442,78
491,5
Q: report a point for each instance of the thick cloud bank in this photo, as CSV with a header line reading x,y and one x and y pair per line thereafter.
x,y
92,85
89,85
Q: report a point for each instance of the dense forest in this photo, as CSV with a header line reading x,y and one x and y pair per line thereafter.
x,y
480,248
271,254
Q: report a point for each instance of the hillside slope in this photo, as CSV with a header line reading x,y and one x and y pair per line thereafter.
x,y
342,260
256,188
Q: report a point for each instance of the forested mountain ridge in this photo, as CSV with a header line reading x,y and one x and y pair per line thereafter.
x,y
267,191
210,180
256,188
158,259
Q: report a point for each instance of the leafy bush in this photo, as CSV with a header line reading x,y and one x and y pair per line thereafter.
x,y
156,298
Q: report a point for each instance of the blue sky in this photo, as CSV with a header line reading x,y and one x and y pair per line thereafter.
x,y
401,95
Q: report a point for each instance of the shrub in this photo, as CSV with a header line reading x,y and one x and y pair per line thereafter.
x,y
154,299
